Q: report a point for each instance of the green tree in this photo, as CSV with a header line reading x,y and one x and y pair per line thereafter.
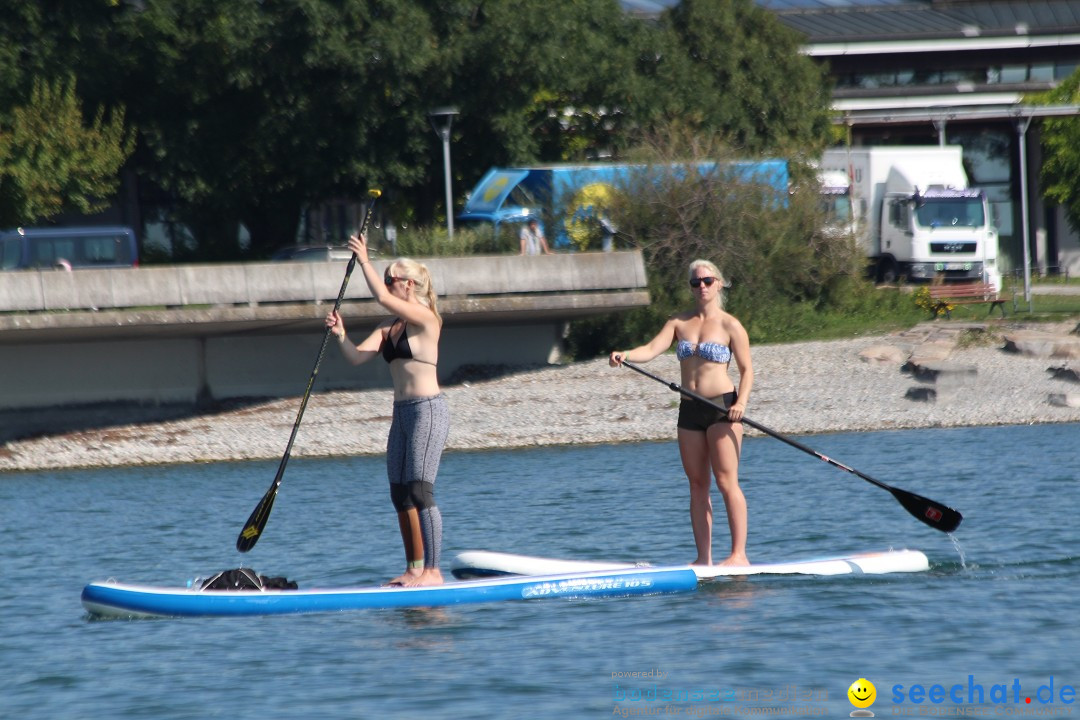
x,y
1061,149
52,160
48,40
249,111
730,67
542,81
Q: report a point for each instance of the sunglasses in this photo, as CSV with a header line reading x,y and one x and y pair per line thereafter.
x,y
390,279
696,282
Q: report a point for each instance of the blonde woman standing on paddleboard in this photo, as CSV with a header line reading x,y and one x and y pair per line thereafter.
x,y
409,343
707,339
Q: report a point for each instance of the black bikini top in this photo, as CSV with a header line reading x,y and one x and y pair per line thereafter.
x,y
396,351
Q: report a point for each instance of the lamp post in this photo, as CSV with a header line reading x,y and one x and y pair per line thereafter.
x,y
441,120
1022,125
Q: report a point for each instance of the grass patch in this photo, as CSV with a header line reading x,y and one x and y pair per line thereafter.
x,y
976,338
1051,307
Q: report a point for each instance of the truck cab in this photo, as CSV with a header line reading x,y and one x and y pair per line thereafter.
x,y
938,232
913,213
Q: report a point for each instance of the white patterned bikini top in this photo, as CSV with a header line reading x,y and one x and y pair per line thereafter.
x,y
710,351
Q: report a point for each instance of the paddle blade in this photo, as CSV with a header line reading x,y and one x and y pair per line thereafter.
x,y
938,516
254,526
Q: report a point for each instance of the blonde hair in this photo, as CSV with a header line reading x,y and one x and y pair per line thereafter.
x,y
421,277
715,272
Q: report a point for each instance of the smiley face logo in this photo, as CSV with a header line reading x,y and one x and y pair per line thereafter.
x,y
862,693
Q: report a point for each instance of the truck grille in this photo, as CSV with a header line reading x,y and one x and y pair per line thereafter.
x,y
953,247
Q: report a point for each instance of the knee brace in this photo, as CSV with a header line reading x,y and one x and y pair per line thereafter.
x,y
399,495
421,495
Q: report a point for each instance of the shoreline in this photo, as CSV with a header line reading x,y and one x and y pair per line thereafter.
x,y
800,388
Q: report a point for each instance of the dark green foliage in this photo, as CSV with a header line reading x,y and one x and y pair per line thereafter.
x,y
745,79
542,81
247,111
1061,149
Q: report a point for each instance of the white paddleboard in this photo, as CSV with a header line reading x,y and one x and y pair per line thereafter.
x,y
482,563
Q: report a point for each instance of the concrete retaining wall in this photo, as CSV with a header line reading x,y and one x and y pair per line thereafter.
x,y
186,335
298,282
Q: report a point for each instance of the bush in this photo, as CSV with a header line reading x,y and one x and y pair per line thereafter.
x,y
922,299
789,276
436,242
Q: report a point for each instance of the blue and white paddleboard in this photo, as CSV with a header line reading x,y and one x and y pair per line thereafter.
x,y
481,563
113,599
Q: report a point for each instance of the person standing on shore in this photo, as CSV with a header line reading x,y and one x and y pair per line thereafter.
x,y
710,441
409,343
532,239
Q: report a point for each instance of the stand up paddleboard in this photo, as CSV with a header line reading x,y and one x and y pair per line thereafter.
x,y
481,563
112,599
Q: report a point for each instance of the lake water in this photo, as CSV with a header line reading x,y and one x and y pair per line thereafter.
x,y
995,616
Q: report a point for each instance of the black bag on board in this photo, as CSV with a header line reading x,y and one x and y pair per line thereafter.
x,y
244,579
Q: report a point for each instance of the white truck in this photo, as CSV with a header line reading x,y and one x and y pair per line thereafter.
x,y
912,211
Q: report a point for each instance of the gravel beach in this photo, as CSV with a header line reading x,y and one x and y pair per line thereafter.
x,y
800,388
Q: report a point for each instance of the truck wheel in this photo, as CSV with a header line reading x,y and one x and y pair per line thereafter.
x,y
888,272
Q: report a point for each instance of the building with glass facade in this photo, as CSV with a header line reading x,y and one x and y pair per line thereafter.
x,y
918,72
929,72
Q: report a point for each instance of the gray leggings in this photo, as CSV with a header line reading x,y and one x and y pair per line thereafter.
x,y
413,450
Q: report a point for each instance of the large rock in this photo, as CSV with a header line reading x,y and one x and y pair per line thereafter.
x,y
1041,344
931,351
944,373
948,380
1064,373
883,355
921,394
1070,400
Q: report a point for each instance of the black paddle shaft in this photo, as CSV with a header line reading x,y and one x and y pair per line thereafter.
x,y
257,521
938,516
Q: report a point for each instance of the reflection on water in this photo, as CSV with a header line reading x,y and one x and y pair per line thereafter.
x,y
424,617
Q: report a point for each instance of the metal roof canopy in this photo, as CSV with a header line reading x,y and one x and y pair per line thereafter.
x,y
945,114
1021,115
852,23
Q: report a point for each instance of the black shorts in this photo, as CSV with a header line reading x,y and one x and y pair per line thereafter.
x,y
694,415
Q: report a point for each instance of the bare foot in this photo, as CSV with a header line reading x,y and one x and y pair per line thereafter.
x,y
699,561
430,576
406,579
736,561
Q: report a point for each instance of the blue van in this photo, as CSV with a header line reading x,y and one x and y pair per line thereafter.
x,y
562,192
68,248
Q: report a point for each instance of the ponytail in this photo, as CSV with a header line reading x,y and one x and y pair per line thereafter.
x,y
421,277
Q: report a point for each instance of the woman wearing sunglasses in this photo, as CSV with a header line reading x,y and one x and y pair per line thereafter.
x,y
409,343
706,339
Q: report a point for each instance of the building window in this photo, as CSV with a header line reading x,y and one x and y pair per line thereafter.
x,y
1013,74
1041,72
1064,69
